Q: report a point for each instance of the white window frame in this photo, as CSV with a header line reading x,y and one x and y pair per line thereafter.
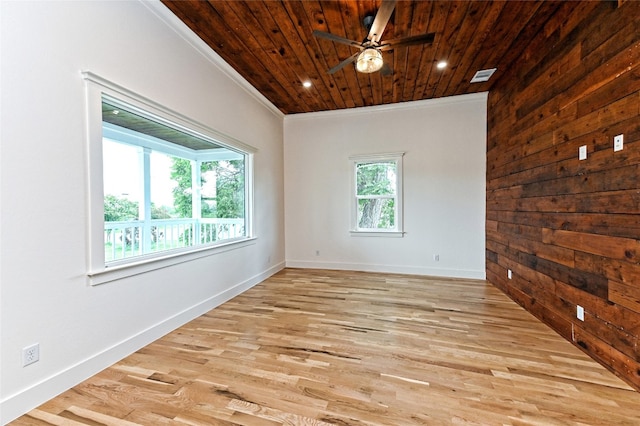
x,y
398,230
98,271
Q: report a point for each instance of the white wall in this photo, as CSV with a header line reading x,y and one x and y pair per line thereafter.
x,y
81,329
44,294
444,187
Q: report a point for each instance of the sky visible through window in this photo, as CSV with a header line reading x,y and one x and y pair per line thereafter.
x,y
122,174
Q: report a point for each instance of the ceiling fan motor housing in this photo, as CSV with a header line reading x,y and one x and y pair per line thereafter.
x,y
368,21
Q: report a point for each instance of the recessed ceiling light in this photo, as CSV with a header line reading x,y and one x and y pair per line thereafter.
x,y
306,84
442,65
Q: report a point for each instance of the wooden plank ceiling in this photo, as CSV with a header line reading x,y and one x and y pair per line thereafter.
x,y
270,43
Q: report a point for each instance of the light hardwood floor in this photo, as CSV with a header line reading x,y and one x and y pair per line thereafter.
x,y
314,347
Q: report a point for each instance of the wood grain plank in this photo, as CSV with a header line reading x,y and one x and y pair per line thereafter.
x,y
458,51
437,25
578,84
316,347
420,14
446,42
466,36
465,68
627,249
627,295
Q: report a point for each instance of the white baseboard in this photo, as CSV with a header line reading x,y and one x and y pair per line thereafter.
x,y
391,269
22,402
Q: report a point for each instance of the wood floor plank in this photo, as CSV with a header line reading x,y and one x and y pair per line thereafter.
x,y
316,347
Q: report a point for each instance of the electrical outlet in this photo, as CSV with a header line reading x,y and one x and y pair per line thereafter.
x,y
509,274
618,143
30,354
436,257
317,252
580,312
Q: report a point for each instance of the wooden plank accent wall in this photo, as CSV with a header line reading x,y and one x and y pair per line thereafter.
x,y
568,229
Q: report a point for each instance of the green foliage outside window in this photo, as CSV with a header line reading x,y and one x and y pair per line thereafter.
x,y
229,200
230,189
119,209
375,186
181,174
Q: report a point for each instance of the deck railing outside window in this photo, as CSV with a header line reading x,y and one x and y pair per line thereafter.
x,y
126,239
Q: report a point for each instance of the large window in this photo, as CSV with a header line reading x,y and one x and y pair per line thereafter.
x,y
377,194
168,186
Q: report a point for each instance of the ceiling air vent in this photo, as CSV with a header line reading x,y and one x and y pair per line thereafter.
x,y
483,75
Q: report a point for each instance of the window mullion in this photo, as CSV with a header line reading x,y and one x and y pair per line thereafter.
x,y
376,197
196,199
145,211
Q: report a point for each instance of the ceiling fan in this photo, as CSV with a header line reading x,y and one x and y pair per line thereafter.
x,y
369,58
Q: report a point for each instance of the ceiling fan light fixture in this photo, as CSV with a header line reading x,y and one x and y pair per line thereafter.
x,y
369,60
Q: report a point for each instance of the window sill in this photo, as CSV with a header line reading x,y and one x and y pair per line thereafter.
x,y
148,264
387,234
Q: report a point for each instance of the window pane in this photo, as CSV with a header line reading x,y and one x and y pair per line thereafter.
x,y
376,213
377,178
122,181
155,199
222,198
209,189
163,186
377,200
182,191
123,192
223,189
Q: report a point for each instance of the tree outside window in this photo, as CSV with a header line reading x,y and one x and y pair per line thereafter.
x,y
377,189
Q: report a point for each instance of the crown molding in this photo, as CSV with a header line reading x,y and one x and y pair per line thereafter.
x,y
401,106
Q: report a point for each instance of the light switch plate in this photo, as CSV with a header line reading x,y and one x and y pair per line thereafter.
x,y
618,143
582,152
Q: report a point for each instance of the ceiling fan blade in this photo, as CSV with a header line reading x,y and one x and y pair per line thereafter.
x,y
344,63
407,41
338,39
381,20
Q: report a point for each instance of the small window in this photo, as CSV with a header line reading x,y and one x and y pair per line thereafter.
x,y
377,195
162,185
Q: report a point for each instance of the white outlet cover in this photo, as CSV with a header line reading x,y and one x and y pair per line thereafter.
x,y
582,152
618,142
30,354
